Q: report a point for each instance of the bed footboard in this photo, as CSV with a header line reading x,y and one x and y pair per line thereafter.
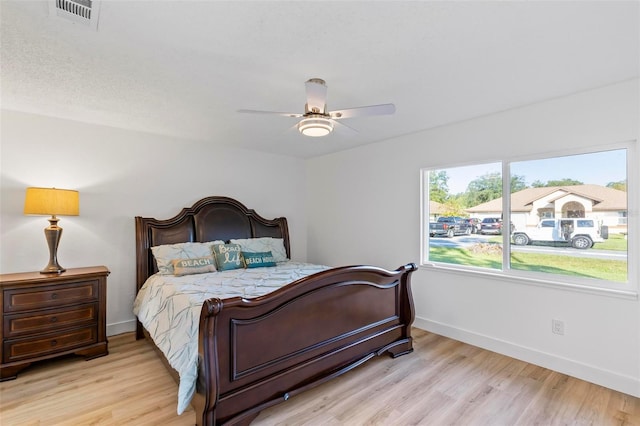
x,y
260,352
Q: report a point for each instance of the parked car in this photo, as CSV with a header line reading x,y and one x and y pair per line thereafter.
x,y
473,224
581,233
491,225
449,226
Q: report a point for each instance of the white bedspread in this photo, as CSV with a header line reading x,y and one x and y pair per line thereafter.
x,y
169,308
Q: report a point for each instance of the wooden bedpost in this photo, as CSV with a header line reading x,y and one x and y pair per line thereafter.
x,y
407,312
207,391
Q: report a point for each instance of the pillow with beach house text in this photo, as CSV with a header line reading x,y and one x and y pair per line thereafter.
x,y
257,260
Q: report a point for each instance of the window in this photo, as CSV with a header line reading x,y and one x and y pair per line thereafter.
x,y
622,218
449,193
567,217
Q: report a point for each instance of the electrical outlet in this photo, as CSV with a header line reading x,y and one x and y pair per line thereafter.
x,y
557,327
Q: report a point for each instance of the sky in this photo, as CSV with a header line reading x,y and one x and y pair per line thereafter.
x,y
596,168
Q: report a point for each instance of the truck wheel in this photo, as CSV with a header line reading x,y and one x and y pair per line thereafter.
x,y
581,242
520,239
451,233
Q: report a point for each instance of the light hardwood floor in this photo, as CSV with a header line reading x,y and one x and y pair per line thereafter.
x,y
443,382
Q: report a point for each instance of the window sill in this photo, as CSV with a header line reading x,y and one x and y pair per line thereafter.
x,y
520,278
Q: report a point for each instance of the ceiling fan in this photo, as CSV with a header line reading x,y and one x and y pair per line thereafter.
x,y
316,120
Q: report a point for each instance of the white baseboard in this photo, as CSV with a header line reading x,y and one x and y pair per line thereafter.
x,y
609,379
121,327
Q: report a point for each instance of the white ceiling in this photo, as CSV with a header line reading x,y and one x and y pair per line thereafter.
x,y
184,68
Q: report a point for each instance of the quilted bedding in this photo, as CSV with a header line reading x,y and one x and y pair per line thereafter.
x,y
169,308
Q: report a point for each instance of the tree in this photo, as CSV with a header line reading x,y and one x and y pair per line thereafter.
x,y
557,182
620,185
438,186
485,188
453,207
517,183
563,182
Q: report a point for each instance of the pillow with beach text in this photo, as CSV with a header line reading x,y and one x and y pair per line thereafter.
x,y
166,253
199,265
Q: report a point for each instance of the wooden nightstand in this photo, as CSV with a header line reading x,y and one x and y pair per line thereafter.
x,y
48,315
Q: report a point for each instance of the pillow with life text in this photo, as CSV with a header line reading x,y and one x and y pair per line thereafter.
x,y
228,256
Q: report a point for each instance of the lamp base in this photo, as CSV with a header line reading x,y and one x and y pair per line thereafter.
x,y
53,233
53,269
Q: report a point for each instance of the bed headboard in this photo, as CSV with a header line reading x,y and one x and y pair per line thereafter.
x,y
212,218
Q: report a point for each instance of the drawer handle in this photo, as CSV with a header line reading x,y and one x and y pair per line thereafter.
x,y
54,295
54,342
53,319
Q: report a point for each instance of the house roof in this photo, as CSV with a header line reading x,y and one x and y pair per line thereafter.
x,y
436,207
604,199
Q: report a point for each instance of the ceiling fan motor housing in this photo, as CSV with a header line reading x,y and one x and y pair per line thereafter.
x,y
315,125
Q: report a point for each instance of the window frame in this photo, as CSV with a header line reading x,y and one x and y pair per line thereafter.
x,y
628,290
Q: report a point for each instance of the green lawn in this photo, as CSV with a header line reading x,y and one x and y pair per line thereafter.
x,y
460,256
615,242
490,256
602,269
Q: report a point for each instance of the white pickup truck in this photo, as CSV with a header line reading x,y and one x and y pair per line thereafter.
x,y
581,233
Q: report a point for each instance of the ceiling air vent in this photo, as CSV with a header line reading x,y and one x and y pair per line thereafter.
x,y
79,11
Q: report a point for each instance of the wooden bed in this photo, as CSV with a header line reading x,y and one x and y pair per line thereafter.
x,y
255,353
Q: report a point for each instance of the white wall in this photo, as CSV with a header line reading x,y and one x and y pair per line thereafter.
x,y
121,174
363,207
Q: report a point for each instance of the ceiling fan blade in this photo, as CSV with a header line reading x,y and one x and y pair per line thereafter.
x,y
285,114
343,128
363,111
316,95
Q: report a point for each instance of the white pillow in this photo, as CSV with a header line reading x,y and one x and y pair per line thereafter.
x,y
164,254
264,244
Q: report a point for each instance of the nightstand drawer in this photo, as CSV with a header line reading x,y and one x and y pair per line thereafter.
x,y
49,320
18,349
26,299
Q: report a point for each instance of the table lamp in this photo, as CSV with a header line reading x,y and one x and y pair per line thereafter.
x,y
54,202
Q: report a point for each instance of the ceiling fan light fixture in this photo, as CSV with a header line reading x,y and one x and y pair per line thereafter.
x,y
315,126
316,121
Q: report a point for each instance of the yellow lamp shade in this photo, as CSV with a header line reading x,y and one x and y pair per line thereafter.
x,y
52,201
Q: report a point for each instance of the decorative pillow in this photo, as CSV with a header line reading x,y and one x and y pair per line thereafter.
x,y
228,256
264,244
256,260
164,254
193,266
